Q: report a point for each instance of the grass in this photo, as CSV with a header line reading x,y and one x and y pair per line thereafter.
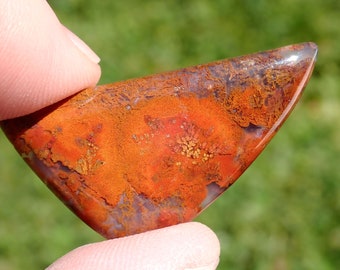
x,y
284,212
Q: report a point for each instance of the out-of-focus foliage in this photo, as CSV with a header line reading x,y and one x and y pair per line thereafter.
x,y
284,212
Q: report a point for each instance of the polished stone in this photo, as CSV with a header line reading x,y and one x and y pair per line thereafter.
x,y
150,152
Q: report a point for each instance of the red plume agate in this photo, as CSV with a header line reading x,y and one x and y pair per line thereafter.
x,y
150,152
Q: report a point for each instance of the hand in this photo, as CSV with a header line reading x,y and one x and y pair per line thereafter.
x,y
42,62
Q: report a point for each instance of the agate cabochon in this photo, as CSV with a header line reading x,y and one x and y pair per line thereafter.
x,y
155,151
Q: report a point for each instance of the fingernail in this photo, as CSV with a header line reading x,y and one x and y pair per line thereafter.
x,y
82,46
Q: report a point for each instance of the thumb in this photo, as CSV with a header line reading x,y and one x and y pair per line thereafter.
x,y
184,246
41,62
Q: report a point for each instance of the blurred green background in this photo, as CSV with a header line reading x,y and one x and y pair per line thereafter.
x,y
284,212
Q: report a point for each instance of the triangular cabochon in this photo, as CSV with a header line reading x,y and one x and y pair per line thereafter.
x,y
150,152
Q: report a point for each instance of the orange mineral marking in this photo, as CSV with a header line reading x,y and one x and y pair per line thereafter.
x,y
155,151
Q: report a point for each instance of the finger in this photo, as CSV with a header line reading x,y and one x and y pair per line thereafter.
x,y
41,62
185,246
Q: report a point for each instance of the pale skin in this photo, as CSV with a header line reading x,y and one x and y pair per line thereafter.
x,y
42,62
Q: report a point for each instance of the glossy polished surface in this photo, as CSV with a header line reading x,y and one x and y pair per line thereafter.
x,y
155,151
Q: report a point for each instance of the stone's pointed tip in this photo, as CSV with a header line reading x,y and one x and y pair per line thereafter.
x,y
312,47
300,52
309,47
310,51
155,151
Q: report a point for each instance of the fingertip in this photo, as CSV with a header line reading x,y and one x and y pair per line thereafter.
x,y
184,246
41,62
